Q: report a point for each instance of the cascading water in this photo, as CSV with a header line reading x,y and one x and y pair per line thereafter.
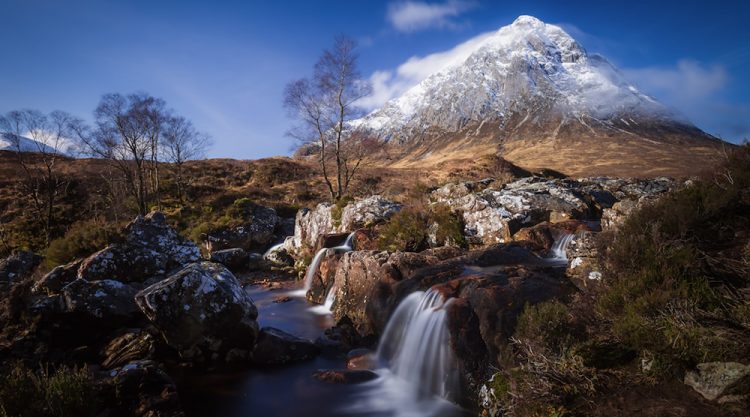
x,y
315,264
419,373
416,346
272,248
560,247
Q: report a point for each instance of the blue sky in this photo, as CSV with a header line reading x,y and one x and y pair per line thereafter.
x,y
224,64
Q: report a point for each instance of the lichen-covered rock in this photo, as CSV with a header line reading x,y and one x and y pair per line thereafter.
x,y
255,234
57,278
236,259
202,310
584,269
722,381
18,266
130,346
276,347
151,248
493,216
104,300
311,224
367,212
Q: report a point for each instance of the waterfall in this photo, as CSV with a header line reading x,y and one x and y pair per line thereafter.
x,y
416,346
271,249
315,264
325,308
560,247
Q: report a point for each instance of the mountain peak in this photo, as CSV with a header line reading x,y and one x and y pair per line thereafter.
x,y
528,70
526,20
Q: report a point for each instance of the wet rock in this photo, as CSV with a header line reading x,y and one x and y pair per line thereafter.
x,y
130,346
360,359
721,381
201,311
151,248
143,389
363,281
276,347
487,304
256,233
346,376
105,300
57,278
236,259
584,269
281,256
17,266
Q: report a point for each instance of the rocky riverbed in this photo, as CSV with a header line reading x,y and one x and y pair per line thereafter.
x,y
325,322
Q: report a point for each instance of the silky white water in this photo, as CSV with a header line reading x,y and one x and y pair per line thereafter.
x,y
560,247
271,249
415,346
315,264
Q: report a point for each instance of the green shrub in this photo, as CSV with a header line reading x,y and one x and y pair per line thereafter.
x,y
82,239
405,231
338,209
66,392
450,225
545,325
677,280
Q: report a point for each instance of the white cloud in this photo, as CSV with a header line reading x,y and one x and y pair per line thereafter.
x,y
412,16
388,84
684,84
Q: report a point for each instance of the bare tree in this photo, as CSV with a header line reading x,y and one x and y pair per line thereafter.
x,y
39,141
127,133
181,142
324,106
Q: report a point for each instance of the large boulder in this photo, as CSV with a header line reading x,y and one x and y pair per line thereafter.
x,y
367,212
257,232
202,311
310,224
722,381
367,285
107,301
493,216
236,259
482,316
57,278
18,266
276,347
150,249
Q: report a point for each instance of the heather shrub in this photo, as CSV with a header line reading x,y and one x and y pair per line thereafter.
x,y
82,239
64,392
677,282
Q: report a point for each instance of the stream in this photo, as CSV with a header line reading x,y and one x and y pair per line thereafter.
x,y
291,390
416,368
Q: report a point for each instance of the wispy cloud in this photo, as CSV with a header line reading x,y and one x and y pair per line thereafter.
x,y
699,92
686,82
413,16
388,84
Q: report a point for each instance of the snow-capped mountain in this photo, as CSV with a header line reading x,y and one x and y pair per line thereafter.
x,y
527,80
7,143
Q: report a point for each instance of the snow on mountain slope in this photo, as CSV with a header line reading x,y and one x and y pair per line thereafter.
x,y
528,68
29,145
